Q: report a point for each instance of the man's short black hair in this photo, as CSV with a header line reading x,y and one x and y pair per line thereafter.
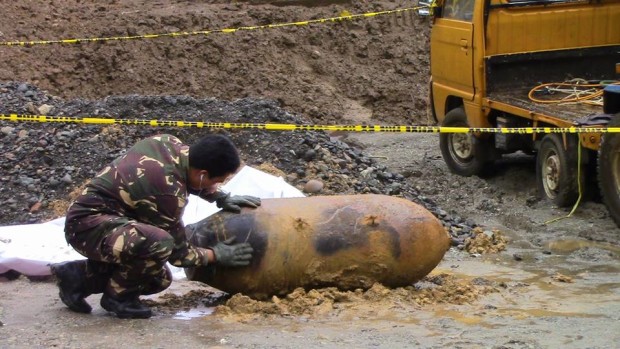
x,y
215,153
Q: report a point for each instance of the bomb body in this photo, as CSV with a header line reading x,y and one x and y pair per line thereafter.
x,y
349,242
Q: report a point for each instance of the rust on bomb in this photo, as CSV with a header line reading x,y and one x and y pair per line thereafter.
x,y
349,242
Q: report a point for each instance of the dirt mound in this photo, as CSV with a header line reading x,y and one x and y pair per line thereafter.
x,y
490,241
325,302
372,69
45,165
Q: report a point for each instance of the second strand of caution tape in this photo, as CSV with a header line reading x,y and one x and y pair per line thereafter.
x,y
207,32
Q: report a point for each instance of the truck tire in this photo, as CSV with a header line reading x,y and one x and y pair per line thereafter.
x,y
609,170
464,154
556,171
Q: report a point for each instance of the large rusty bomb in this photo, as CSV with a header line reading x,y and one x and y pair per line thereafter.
x,y
347,241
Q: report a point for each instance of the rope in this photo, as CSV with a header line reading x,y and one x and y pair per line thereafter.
x,y
574,90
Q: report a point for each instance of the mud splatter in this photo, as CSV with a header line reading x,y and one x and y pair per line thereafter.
x,y
171,302
562,278
59,207
486,241
268,167
435,289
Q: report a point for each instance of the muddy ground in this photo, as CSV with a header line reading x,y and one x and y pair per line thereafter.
x,y
555,285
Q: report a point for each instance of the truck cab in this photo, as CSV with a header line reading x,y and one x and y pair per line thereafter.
x,y
507,64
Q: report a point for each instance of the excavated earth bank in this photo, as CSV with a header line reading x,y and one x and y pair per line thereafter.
x,y
510,280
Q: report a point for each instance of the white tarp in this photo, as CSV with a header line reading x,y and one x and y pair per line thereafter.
x,y
29,249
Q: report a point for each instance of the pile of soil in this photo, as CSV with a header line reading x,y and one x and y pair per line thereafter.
x,y
490,241
442,288
328,302
371,69
45,165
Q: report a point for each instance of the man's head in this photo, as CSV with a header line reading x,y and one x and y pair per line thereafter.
x,y
212,159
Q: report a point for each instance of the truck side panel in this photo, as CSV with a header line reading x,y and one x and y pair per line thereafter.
x,y
552,27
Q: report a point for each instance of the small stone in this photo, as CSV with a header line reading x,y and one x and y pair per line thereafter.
x,y
67,179
310,155
170,100
45,109
36,207
7,130
313,186
517,257
366,173
48,160
31,108
25,181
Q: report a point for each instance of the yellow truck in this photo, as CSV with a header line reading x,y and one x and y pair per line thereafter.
x,y
530,64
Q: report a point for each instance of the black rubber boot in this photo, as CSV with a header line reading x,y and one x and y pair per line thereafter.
x,y
97,276
71,277
126,306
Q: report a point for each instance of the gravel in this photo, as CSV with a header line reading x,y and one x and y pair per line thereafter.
x,y
43,165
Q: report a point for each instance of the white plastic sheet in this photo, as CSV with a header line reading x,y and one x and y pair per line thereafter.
x,y
29,249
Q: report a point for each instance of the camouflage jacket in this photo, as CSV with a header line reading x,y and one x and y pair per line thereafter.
x,y
147,184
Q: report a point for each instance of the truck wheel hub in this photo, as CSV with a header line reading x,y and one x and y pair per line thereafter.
x,y
462,145
551,173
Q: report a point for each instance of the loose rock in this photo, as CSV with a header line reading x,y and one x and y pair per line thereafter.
x,y
313,186
54,160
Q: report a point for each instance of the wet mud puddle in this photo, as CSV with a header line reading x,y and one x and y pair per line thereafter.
x,y
569,296
193,313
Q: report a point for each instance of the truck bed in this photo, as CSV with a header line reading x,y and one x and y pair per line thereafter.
x,y
509,78
568,112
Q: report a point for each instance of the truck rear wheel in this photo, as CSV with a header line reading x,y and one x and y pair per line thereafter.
x,y
463,153
609,170
556,171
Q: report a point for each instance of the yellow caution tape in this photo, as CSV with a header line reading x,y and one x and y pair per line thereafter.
x,y
344,16
297,127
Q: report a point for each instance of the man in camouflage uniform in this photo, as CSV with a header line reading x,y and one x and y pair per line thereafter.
x,y
127,222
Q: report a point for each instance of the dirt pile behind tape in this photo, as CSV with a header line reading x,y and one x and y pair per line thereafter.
x,y
372,69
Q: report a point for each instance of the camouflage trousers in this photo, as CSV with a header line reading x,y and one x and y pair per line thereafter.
x,y
136,253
